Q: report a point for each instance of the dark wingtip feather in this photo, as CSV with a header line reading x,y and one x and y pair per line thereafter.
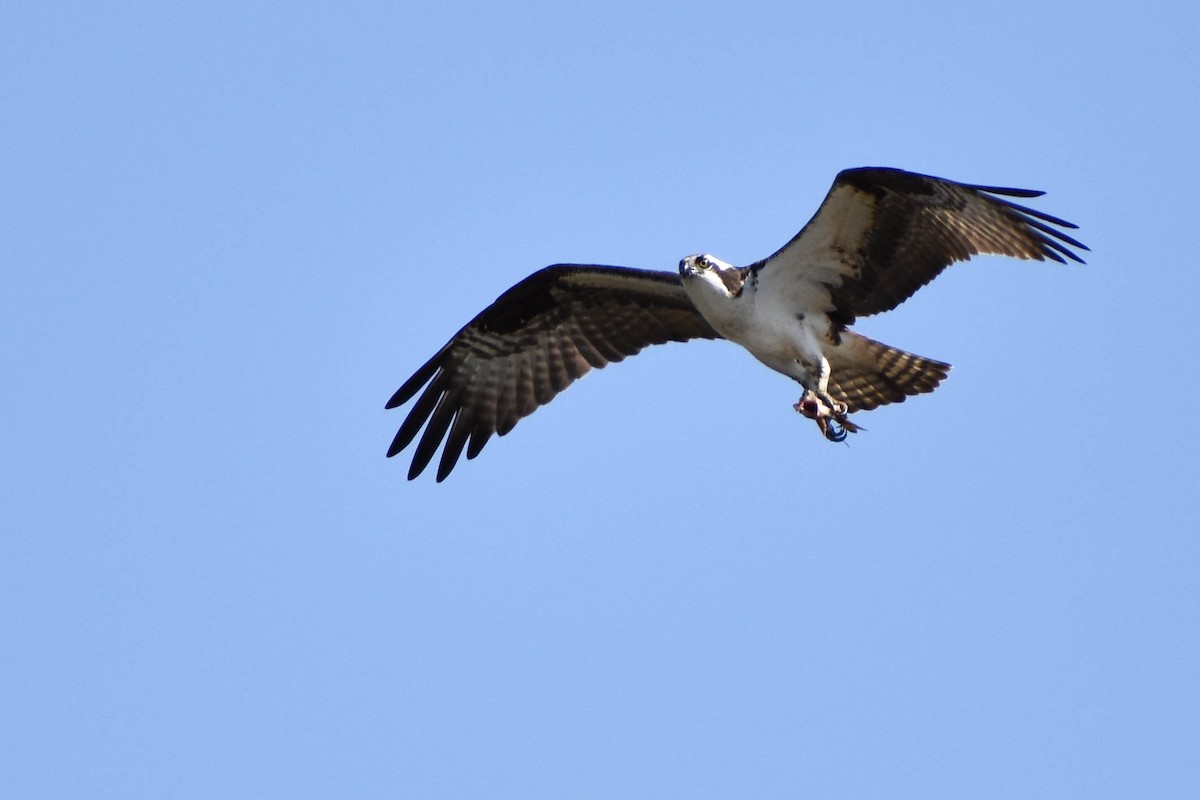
x,y
396,446
419,378
479,438
1056,250
455,441
1042,215
1055,243
435,431
1041,226
1007,191
416,418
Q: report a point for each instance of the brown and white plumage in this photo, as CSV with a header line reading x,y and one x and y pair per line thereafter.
x,y
529,345
879,236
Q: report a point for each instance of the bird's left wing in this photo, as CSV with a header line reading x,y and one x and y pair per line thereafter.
x,y
532,343
883,233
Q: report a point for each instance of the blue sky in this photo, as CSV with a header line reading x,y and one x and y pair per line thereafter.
x,y
232,230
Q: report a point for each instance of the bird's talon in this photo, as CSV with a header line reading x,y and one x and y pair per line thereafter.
x,y
829,415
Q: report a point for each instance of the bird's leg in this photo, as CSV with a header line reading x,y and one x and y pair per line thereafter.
x,y
829,414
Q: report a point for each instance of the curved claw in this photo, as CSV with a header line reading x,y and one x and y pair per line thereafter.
x,y
833,431
830,416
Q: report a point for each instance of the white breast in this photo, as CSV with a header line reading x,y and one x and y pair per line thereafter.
x,y
784,338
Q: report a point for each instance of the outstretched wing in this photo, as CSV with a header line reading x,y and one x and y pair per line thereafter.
x,y
529,345
882,233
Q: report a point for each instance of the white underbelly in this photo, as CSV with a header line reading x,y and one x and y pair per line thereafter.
x,y
787,346
776,334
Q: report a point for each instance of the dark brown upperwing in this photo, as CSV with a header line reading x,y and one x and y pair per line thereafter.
x,y
532,343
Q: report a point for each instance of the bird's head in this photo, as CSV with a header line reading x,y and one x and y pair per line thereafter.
x,y
710,275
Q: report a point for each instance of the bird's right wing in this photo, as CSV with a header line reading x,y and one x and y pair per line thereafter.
x,y
532,343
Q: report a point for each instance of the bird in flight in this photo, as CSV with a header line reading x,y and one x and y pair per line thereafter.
x,y
879,235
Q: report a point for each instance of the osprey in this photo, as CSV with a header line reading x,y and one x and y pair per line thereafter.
x,y
879,235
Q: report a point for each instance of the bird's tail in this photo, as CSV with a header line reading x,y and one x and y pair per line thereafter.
x,y
865,374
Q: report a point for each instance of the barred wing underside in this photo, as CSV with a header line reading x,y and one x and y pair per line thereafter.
x,y
531,344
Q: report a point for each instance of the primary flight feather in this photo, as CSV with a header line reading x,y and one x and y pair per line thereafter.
x,y
879,235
